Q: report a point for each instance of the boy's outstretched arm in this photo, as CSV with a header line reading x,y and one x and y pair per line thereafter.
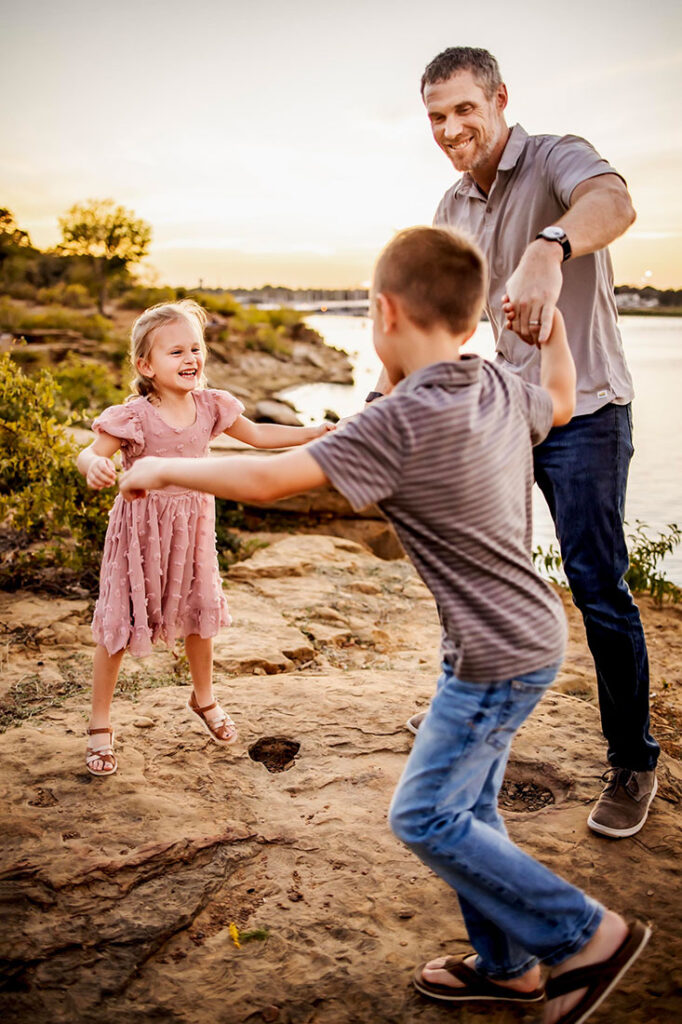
x,y
557,371
245,478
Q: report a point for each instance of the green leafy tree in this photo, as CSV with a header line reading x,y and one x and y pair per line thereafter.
x,y
109,235
10,233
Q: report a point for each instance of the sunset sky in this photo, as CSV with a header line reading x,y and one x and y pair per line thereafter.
x,y
285,142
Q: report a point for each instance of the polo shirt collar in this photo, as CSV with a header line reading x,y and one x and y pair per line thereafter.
x,y
516,144
448,374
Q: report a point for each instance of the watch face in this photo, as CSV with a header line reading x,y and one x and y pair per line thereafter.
x,y
553,233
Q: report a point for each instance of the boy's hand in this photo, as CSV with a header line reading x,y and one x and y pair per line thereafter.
x,y
101,473
144,476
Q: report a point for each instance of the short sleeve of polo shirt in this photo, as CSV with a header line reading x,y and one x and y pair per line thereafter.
x,y
572,160
363,459
538,408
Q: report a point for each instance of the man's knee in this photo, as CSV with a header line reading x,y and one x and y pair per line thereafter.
x,y
600,597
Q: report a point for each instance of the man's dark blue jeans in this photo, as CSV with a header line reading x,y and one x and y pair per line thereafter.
x,y
582,470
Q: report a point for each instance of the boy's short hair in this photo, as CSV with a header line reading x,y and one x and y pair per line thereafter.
x,y
439,276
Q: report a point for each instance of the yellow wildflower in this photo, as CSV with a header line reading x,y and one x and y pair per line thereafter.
x,y
234,934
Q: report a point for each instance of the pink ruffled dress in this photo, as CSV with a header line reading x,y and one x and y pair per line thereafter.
x,y
159,577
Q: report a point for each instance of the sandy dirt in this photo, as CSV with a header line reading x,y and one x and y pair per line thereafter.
x,y
118,894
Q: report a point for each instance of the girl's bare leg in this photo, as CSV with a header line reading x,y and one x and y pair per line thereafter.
x,y
105,675
199,652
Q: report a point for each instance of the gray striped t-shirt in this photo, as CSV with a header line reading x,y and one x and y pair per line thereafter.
x,y
447,456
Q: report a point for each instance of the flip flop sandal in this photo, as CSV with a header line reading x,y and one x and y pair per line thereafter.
x,y
599,979
106,754
211,728
475,986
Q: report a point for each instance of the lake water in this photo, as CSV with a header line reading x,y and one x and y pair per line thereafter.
x,y
653,347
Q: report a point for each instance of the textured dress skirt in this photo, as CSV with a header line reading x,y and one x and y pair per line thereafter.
x,y
159,578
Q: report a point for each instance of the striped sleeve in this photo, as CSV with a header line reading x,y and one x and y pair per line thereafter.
x,y
364,458
538,409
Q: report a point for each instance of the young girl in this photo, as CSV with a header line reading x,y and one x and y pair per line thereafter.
x,y
159,577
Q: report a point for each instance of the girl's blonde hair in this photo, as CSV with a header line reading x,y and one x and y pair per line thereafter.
x,y
142,338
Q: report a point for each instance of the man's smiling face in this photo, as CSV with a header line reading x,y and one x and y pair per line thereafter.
x,y
468,125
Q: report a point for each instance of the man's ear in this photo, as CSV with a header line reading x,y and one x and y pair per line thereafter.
x,y
501,97
388,311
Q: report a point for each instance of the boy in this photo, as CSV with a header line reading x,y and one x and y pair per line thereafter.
x,y
448,457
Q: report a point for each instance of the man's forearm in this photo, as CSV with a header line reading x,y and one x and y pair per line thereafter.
x,y
601,210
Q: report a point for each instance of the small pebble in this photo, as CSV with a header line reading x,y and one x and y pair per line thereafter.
x,y
144,723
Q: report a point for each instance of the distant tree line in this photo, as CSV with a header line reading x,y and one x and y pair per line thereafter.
x,y
667,297
100,243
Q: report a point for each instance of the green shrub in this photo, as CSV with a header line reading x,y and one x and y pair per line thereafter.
x,y
21,290
85,388
142,298
15,317
272,340
284,317
45,504
646,555
76,296
224,304
644,575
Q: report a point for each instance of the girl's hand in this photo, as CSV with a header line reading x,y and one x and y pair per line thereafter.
x,y
101,473
144,476
322,429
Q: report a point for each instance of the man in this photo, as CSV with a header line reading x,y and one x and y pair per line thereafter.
x,y
543,209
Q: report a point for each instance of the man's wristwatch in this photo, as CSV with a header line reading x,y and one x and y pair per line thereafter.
x,y
557,234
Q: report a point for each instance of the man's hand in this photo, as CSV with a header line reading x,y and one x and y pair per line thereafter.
x,y
144,476
101,473
533,290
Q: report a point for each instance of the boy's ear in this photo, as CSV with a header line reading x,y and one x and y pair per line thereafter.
x,y
388,311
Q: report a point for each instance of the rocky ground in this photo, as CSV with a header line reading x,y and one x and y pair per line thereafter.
x,y
119,894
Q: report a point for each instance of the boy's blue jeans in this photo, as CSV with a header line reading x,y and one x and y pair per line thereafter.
x,y
582,470
517,912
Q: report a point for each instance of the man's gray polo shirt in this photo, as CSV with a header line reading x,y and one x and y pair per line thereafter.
x,y
447,456
532,189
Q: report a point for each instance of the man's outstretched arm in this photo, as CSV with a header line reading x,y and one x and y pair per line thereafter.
x,y
240,477
601,210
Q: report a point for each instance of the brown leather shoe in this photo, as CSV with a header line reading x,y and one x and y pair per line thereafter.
x,y
624,804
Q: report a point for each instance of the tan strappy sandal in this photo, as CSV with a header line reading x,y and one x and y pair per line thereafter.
x,y
212,728
106,754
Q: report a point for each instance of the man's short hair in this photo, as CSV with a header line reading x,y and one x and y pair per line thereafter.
x,y
482,65
439,277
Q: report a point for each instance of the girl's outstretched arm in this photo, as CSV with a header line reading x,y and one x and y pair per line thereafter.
x,y
274,435
248,478
94,462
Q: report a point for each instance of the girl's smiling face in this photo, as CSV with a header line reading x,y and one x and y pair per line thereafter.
x,y
175,361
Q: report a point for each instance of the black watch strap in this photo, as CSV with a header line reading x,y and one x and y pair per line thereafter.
x,y
556,234
372,395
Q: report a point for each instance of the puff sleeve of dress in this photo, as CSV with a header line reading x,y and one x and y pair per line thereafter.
x,y
122,422
226,409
